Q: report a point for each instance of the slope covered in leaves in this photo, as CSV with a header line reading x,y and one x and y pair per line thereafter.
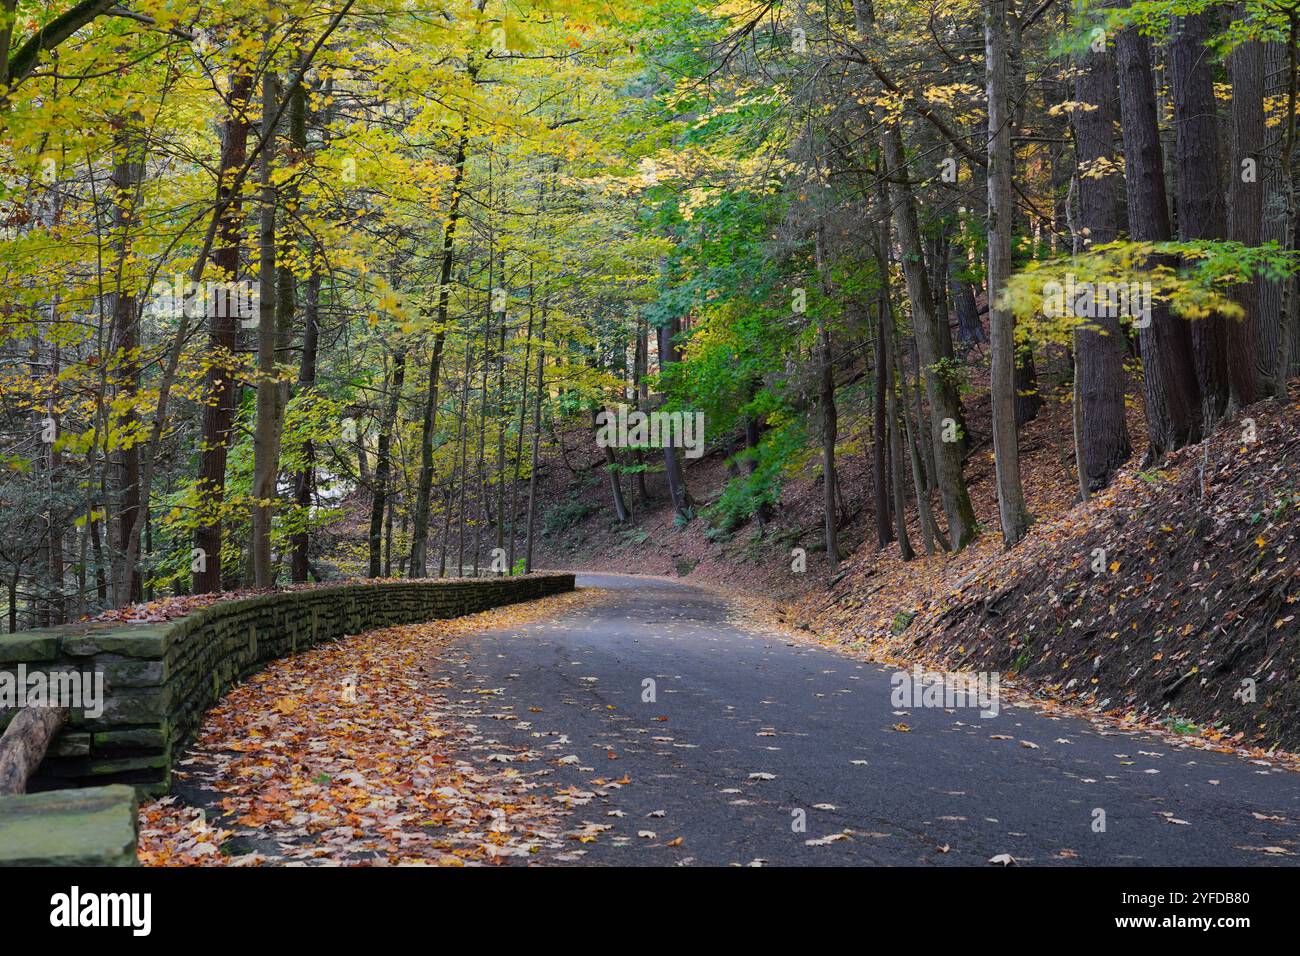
x,y
1191,619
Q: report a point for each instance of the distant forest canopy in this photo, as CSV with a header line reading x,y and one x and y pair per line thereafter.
x,y
277,268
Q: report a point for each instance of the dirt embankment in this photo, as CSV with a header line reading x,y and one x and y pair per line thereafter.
x,y
1173,596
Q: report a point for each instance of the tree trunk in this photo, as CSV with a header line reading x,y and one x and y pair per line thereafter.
x,y
304,481
462,440
611,468
969,327
1028,399
1168,369
1271,345
101,580
503,418
899,494
383,464
1199,189
1099,348
669,352
941,392
1011,500
830,429
223,334
880,421
420,524
537,437
640,394
1246,383
519,434
128,174
266,458
930,533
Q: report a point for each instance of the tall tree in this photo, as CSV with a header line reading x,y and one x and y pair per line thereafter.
x,y
1248,377
1099,349
1198,188
1006,443
669,352
266,427
424,490
945,413
1169,385
223,336
128,175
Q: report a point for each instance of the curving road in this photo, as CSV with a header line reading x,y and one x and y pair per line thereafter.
x,y
750,732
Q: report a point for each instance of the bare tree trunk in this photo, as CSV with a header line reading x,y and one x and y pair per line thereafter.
x,y
481,468
1289,313
830,428
930,532
1246,384
880,420
969,328
54,549
1006,449
1199,189
615,486
128,174
420,524
537,437
223,334
463,447
383,464
101,580
941,392
304,481
896,449
640,394
1169,378
503,418
266,457
1272,347
670,352
519,434
1099,348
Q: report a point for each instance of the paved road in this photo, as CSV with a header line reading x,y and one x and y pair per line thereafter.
x,y
733,703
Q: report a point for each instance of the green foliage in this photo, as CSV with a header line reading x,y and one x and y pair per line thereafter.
x,y
745,495
565,515
1194,279
636,536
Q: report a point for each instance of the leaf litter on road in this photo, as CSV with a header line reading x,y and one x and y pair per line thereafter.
x,y
361,752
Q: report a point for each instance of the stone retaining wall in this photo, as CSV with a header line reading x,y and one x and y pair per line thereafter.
x,y
160,679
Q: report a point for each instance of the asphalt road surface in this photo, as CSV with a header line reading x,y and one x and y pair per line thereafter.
x,y
751,734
